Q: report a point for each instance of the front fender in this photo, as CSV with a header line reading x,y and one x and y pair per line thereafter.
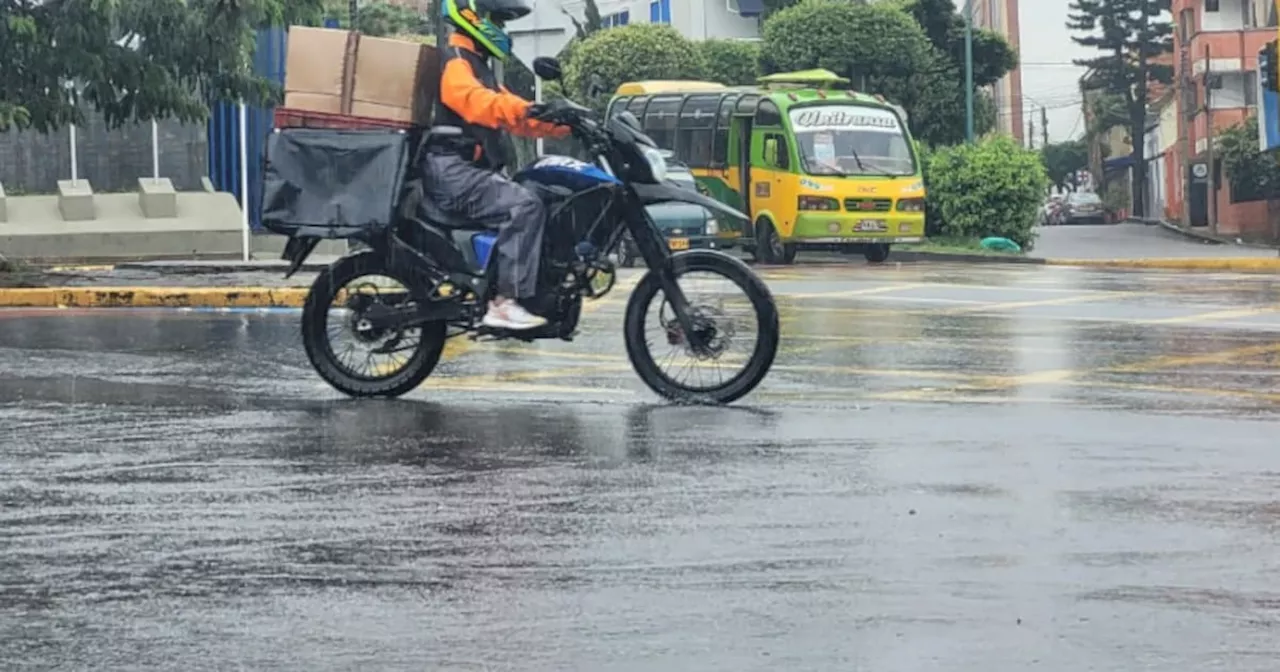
x,y
652,194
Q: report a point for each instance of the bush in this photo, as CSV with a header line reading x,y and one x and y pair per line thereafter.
x,y
731,62
872,41
992,188
629,53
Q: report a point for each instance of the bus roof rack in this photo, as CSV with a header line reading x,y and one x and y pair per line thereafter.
x,y
818,78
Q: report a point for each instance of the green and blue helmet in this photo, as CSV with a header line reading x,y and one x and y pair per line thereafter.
x,y
483,21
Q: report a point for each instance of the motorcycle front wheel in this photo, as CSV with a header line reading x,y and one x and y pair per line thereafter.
x,y
736,321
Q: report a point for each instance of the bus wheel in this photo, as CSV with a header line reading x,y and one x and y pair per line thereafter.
x,y
876,252
769,246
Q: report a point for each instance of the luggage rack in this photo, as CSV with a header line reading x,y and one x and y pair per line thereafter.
x,y
290,118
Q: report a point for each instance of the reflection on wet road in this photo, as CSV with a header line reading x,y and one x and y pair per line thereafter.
x,y
951,468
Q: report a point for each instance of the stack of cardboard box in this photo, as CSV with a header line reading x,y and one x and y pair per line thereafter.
x,y
343,72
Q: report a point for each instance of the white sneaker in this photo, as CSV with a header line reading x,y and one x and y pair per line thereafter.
x,y
511,315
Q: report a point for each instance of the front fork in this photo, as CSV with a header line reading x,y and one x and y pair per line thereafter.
x,y
652,246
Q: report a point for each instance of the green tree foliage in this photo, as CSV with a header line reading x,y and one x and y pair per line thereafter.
x,y
1252,173
882,49
629,53
993,56
731,62
991,188
1130,35
1062,160
132,59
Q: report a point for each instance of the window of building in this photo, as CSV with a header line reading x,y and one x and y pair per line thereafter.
x,y
697,127
720,150
617,19
768,114
661,118
660,11
1211,6
1251,88
1187,24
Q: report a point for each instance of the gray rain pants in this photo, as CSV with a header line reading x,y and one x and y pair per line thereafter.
x,y
462,189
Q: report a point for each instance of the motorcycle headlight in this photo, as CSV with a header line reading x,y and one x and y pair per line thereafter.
x,y
657,164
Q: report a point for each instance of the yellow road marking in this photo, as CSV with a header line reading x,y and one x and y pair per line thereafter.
x,y
855,292
153,297
1179,361
1216,316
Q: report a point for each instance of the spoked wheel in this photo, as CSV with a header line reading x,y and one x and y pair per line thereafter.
x,y
736,325
348,353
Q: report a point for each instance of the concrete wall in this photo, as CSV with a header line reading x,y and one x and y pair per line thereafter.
x,y
112,160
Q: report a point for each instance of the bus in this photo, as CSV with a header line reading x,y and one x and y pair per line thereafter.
x,y
814,163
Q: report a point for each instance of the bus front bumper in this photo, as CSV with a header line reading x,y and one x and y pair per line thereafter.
x,y
841,228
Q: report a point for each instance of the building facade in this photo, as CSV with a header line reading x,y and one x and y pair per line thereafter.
x,y
548,29
1001,16
1222,37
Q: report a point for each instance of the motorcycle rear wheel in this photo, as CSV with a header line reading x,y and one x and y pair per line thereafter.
x,y
421,360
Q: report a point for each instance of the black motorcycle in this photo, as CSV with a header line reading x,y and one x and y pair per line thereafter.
x,y
438,269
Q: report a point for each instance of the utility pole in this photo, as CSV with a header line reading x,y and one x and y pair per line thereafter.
x,y
1044,124
968,70
1031,133
1186,92
1208,125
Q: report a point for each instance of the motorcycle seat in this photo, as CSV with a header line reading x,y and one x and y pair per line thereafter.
x,y
438,216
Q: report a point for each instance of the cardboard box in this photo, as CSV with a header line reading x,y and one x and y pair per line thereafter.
x,y
342,72
321,62
396,74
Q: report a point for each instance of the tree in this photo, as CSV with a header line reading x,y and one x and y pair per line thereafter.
x,y
590,23
131,59
993,56
882,49
1063,159
731,62
1252,173
1131,34
629,53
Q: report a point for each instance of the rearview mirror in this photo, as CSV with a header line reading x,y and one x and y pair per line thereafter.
x,y
547,68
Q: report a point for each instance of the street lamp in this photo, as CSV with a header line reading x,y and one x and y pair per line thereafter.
x,y
968,70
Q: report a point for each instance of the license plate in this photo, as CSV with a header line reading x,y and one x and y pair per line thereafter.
x,y
872,225
678,243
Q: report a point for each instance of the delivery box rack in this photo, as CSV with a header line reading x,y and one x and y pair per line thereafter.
x,y
293,118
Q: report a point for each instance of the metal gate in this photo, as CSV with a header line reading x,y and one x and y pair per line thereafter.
x,y
224,126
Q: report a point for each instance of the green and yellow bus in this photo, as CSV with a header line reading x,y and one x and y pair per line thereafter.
x,y
814,163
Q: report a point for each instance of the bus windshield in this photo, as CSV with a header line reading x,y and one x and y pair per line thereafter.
x,y
851,140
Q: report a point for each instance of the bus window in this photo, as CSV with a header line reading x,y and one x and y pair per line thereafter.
x,y
720,144
776,153
617,106
636,107
768,114
660,119
697,124
747,103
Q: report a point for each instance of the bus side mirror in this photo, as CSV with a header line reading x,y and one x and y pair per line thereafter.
x,y
771,151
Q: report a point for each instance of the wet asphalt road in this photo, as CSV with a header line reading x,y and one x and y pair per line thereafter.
x,y
951,468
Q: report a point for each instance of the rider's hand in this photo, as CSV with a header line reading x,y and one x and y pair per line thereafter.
x,y
537,110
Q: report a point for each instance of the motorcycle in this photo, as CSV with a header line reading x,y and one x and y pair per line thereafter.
x,y
440,273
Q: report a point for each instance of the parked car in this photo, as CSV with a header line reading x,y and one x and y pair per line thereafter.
x,y
1085,207
686,226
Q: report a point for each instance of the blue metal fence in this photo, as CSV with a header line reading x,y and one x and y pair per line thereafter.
x,y
224,126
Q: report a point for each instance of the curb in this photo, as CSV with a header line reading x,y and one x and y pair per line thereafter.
x,y
1209,237
1242,264
227,268
153,297
907,256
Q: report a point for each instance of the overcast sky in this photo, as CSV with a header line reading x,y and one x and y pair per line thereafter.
x,y
1048,78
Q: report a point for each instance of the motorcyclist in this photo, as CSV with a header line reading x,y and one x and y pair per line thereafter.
x,y
465,173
